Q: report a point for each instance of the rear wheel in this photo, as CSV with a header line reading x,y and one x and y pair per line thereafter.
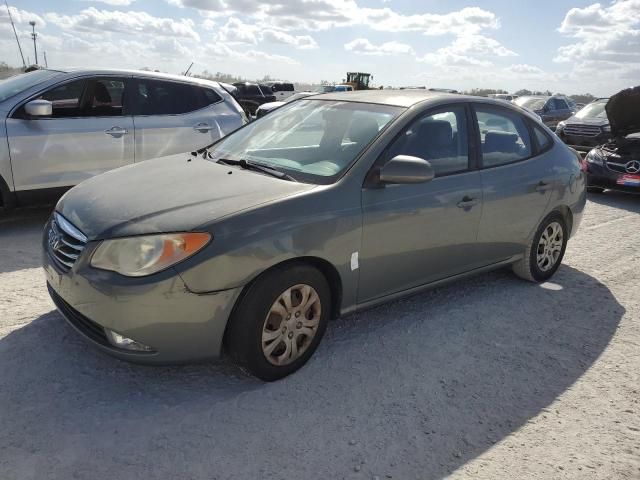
x,y
544,254
279,322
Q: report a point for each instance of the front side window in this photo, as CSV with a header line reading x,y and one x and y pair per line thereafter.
x,y
440,137
158,97
504,136
104,98
312,140
66,99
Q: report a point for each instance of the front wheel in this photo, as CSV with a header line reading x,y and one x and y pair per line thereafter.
x,y
279,322
544,254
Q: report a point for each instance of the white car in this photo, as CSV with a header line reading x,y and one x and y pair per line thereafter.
x,y
62,127
282,90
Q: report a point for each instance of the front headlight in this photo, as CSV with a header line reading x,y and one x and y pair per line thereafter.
x,y
144,255
560,127
606,129
594,157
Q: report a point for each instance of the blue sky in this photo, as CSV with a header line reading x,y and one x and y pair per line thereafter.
x,y
566,46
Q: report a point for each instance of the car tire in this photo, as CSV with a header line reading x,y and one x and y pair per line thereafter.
x,y
544,254
595,189
273,333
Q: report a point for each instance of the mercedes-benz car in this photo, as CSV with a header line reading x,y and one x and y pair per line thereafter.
x,y
588,128
328,205
62,127
616,164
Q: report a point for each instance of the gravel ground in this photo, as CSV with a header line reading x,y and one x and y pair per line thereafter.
x,y
488,378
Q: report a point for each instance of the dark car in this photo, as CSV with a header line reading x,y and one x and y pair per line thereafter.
x,y
251,95
616,164
551,109
588,128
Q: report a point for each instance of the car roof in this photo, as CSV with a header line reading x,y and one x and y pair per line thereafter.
x,y
137,73
399,98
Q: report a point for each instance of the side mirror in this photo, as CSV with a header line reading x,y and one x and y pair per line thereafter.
x,y
404,169
39,108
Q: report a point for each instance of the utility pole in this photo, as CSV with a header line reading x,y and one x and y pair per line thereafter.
x,y
34,35
15,33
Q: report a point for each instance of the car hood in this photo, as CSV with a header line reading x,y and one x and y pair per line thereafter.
x,y
623,111
167,195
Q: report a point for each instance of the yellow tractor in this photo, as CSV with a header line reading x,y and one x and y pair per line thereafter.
x,y
358,80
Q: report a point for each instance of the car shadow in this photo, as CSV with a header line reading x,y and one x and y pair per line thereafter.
x,y
412,389
20,233
621,200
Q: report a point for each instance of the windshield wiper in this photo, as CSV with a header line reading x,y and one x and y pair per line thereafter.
x,y
258,167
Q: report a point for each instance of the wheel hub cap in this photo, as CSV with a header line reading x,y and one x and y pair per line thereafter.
x,y
550,246
291,324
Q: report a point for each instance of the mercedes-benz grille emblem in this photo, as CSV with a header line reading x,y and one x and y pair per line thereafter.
x,y
633,166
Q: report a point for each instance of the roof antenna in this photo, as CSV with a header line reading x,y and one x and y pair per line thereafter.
x,y
15,33
186,74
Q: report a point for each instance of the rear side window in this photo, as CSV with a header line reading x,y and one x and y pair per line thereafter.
x,y
206,97
158,97
560,104
440,137
542,139
504,136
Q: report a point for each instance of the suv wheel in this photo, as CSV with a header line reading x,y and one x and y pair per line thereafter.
x,y
279,322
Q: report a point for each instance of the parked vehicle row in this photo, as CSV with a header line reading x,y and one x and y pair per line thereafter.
x,y
327,205
62,127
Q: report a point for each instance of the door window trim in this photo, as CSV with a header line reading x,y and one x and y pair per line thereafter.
x,y
471,147
134,83
85,78
525,120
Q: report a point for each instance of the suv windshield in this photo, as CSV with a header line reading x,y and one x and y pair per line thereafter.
x,y
593,110
19,83
532,103
313,141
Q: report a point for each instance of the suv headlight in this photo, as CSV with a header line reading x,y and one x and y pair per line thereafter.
x,y
148,254
560,127
606,128
594,157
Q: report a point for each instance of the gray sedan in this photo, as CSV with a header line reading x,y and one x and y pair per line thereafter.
x,y
324,207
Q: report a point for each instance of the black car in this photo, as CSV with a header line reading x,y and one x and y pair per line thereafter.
x,y
588,128
251,95
616,164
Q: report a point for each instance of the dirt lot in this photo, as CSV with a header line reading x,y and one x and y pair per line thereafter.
x,y
488,378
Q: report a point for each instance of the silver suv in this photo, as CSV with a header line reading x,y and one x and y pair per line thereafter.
x,y
63,127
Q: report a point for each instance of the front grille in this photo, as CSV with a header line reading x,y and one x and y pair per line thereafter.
x,y
617,167
65,242
580,130
85,326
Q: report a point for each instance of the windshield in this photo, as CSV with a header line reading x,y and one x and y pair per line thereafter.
x,y
19,83
313,141
593,110
532,103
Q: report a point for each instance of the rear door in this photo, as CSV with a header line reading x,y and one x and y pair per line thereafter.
x,y
517,179
89,132
174,117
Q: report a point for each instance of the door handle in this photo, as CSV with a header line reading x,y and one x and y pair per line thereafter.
x,y
203,127
467,202
116,131
542,186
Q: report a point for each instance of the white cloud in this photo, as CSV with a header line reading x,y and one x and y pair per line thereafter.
x,y
132,22
236,31
523,68
304,42
365,47
21,17
113,3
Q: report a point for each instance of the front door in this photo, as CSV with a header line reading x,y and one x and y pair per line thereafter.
x,y
417,234
88,133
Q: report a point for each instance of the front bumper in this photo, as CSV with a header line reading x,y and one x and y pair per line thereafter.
x,y
158,311
584,144
603,177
